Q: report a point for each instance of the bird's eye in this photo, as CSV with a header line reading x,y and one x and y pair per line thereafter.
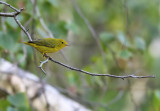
x,y
62,42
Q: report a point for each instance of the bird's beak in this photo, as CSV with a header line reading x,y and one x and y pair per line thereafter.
x,y
67,44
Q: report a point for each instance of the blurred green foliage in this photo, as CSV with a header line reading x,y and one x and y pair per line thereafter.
x,y
17,102
126,44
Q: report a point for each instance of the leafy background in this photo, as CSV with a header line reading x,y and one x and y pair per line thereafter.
x,y
128,31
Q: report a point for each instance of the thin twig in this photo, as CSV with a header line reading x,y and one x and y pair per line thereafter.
x,y
8,14
14,15
43,62
24,30
1,2
96,74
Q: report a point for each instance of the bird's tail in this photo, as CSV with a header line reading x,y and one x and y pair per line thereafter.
x,y
29,43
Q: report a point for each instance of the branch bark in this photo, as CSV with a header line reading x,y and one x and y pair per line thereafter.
x,y
95,74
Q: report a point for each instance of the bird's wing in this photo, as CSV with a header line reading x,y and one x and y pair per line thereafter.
x,y
43,42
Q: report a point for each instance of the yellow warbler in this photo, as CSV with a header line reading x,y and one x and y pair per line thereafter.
x,y
47,45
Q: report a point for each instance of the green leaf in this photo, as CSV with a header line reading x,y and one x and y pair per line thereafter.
x,y
28,8
11,109
4,104
53,2
106,37
19,58
6,41
156,100
72,26
24,109
11,22
98,80
18,100
71,77
125,54
157,94
59,29
123,40
47,6
140,43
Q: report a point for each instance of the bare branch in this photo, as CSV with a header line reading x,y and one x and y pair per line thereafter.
x,y
43,62
95,74
14,15
1,2
8,14
24,30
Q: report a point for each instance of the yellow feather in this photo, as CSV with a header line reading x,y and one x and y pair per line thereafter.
x,y
47,45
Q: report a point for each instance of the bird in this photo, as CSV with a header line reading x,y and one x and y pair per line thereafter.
x,y
47,45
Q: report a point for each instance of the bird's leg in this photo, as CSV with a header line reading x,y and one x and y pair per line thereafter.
x,y
43,62
44,54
